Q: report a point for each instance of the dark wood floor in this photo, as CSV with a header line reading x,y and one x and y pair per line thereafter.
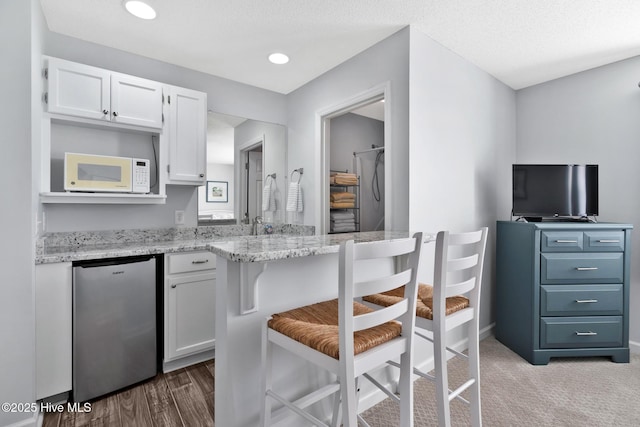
x,y
179,398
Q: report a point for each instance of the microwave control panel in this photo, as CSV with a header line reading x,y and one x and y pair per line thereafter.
x,y
140,174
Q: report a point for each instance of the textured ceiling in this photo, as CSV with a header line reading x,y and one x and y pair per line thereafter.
x,y
520,42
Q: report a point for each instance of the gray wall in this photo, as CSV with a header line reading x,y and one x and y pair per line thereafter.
x,y
462,132
592,117
387,61
20,31
351,132
223,96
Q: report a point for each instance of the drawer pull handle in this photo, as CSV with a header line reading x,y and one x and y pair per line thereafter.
x,y
200,261
173,286
608,241
586,268
586,334
585,301
566,241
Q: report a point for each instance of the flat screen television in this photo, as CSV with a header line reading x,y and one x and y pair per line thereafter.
x,y
555,191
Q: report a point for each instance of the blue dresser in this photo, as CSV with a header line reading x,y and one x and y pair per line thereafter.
x,y
562,289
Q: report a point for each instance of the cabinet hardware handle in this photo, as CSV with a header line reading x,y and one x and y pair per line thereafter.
x,y
173,286
201,175
608,241
200,261
566,241
105,112
115,114
583,301
586,268
586,334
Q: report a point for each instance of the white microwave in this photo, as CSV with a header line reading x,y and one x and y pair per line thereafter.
x,y
89,172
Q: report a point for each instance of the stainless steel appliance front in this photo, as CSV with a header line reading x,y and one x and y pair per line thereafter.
x,y
114,325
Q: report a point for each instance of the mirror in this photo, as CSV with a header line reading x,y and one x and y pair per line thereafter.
x,y
233,193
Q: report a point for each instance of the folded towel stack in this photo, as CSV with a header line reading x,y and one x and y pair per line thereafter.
x,y
342,222
342,178
342,200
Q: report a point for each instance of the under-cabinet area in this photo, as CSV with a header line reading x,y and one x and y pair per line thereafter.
x,y
185,320
97,112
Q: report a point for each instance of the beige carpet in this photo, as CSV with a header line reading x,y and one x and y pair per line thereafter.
x,y
591,391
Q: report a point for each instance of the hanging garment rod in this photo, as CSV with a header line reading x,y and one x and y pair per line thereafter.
x,y
355,153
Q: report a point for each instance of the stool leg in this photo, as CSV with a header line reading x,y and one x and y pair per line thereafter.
x,y
474,372
442,380
348,396
265,401
406,389
337,408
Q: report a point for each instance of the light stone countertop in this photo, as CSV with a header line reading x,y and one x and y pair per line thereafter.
x,y
80,246
275,247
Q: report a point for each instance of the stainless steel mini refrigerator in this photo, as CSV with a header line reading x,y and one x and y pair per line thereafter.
x,y
114,325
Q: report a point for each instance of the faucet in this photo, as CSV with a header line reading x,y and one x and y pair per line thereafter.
x,y
257,220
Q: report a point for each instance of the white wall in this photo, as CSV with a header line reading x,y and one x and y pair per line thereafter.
x,y
462,133
592,117
387,61
223,96
20,31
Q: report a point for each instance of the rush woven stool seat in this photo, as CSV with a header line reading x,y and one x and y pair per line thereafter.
x,y
442,307
348,338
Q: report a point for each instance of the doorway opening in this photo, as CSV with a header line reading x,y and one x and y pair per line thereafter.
x,y
251,180
355,163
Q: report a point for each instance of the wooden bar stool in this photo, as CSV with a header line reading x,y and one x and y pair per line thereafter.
x,y
458,271
347,338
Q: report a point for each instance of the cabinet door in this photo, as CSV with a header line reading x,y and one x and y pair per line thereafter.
x,y
187,136
78,90
53,329
190,323
136,101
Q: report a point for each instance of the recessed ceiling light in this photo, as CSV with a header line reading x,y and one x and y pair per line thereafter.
x,y
278,58
140,9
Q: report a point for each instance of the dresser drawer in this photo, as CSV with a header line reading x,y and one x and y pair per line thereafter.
x,y
604,241
190,261
574,332
581,268
562,241
581,300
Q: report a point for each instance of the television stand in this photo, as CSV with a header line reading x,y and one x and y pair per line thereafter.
x,y
562,289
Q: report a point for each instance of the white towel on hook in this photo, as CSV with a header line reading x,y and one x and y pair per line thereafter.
x,y
268,195
294,197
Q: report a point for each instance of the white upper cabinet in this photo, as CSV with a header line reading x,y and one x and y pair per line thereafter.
x,y
187,136
136,101
84,91
78,90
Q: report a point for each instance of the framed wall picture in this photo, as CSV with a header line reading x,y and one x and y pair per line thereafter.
x,y
217,191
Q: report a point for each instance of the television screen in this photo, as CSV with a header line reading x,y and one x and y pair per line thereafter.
x,y
555,190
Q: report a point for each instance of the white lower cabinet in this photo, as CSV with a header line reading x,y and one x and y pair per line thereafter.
x,y
53,328
189,320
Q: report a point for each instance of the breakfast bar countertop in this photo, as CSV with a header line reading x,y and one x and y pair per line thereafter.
x,y
89,245
275,246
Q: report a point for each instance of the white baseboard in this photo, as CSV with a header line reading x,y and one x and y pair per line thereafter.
x,y
188,361
634,347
